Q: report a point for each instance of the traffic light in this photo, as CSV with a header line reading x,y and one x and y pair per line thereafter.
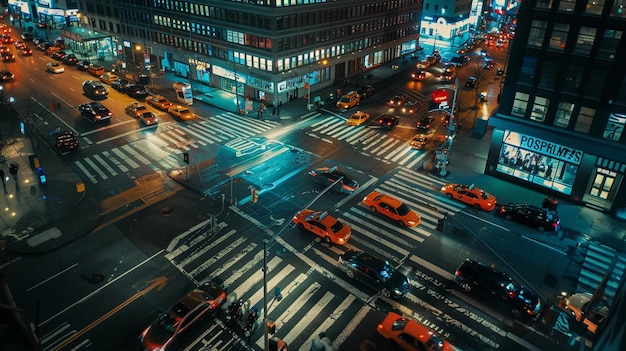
x,y
271,327
186,157
255,195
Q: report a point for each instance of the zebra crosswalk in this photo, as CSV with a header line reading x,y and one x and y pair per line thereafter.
x,y
163,150
373,142
236,260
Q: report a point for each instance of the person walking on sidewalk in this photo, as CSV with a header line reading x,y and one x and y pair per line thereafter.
x,y
546,203
4,185
553,205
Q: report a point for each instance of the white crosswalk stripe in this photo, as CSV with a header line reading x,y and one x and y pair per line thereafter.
x,y
163,150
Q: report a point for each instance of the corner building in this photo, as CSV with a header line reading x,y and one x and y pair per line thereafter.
x,y
274,50
560,124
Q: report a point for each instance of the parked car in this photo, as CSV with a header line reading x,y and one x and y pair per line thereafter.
x,y
108,78
159,102
327,176
63,140
424,123
323,225
498,288
366,91
59,55
530,215
83,65
95,70
578,305
187,312
121,84
471,195
70,59
388,121
27,36
94,111
410,335
393,208
374,272
358,118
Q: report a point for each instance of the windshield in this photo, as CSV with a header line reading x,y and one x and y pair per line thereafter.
x,y
386,272
344,99
336,227
403,210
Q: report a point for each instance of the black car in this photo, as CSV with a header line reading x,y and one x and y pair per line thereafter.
x,y
94,111
95,89
70,59
83,65
137,91
327,176
471,82
63,140
6,75
27,36
378,274
121,84
388,122
530,215
425,123
497,287
366,91
489,64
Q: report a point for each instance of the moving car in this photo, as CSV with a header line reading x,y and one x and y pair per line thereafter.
x,y
181,112
27,36
148,118
135,109
576,304
497,287
172,324
137,91
419,75
374,272
83,65
447,77
397,100
121,84
26,52
358,118
471,82
95,89
388,121
410,335
159,102
349,100
425,122
392,208
8,57
70,59
94,111
63,140
55,67
323,225
471,195
95,70
366,91
327,176
419,141
530,215
108,78
6,75
489,64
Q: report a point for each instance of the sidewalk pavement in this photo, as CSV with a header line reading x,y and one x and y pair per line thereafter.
x,y
33,222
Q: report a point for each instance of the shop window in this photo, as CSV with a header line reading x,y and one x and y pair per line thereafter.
x,y
594,7
537,33
540,107
563,114
615,127
567,5
520,104
584,42
609,44
559,36
584,120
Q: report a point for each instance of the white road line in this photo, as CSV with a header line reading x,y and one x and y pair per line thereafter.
x,y
328,323
273,283
311,313
96,168
105,165
119,165
86,172
137,155
257,277
126,159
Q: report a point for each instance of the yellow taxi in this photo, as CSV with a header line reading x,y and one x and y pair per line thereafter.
x,y
349,100
392,208
418,142
323,225
410,335
471,195
358,118
181,112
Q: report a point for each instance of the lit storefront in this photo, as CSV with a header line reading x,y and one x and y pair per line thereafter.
x,y
582,170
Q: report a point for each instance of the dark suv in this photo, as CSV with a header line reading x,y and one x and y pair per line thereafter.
x,y
497,287
95,89
378,274
327,176
530,215
94,111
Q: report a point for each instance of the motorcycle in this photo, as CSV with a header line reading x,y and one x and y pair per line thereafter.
x,y
234,311
252,317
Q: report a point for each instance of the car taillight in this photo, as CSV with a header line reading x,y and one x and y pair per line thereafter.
x,y
457,273
502,209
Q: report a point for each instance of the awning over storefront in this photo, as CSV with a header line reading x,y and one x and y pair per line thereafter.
x,y
82,34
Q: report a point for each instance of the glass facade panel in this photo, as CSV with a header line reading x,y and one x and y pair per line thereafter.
x,y
563,114
529,67
615,127
540,108
594,7
567,5
584,42
520,104
584,120
559,36
618,9
537,33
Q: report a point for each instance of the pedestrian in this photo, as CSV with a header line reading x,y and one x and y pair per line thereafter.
x,y
2,176
555,203
13,168
273,109
259,111
546,203
280,103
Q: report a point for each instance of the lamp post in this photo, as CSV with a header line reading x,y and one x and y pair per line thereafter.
x,y
435,43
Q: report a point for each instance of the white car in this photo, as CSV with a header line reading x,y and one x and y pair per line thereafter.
x,y
55,67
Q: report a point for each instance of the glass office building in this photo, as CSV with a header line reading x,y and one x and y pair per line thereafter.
x,y
560,124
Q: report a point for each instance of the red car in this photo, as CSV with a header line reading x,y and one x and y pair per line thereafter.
x,y
323,225
471,195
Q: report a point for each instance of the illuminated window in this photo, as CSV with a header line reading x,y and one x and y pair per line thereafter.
x,y
615,127
559,36
537,33
585,40
563,114
594,7
567,5
584,120
520,104
540,109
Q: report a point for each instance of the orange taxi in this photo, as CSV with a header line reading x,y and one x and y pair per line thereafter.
x,y
392,208
471,195
323,225
411,335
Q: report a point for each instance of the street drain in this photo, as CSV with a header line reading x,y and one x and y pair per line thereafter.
x,y
167,210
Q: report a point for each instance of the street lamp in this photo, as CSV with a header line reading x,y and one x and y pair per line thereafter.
x,y
435,43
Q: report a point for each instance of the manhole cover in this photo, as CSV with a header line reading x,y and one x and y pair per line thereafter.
x,y
167,210
268,185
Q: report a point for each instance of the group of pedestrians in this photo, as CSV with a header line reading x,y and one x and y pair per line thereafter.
x,y
550,204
